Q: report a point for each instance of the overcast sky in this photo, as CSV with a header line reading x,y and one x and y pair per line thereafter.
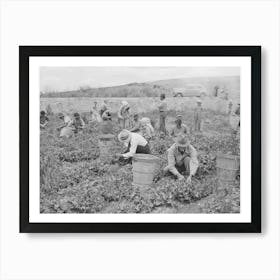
x,y
70,78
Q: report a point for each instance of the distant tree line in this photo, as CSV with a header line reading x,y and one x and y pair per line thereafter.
x,y
130,90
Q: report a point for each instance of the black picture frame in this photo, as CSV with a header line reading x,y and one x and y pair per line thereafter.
x,y
25,52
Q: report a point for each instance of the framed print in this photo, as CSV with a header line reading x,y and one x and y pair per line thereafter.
x,y
140,138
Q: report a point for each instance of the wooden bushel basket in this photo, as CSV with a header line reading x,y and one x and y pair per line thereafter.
x,y
144,167
227,167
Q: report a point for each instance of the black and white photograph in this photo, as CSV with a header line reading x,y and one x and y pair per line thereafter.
x,y
134,135
139,139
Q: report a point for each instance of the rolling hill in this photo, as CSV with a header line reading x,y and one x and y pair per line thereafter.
x,y
192,85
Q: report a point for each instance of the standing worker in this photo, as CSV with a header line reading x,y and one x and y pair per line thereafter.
x,y
103,108
182,158
234,119
135,144
123,115
179,128
197,116
162,114
237,113
237,110
136,123
95,116
229,108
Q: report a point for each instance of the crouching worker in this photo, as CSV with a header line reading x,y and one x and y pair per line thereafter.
x,y
135,144
65,130
146,129
77,124
182,158
107,126
43,119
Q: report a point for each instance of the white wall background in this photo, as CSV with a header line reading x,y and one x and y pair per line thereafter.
x,y
124,256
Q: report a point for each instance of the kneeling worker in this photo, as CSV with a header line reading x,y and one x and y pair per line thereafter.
x,y
107,126
135,143
77,124
182,157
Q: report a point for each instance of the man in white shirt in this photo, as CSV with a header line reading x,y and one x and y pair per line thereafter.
x,y
135,143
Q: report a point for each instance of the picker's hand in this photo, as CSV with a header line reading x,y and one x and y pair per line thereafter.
x,y
180,177
189,179
125,156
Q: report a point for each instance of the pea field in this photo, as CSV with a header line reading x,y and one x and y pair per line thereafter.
x,y
75,179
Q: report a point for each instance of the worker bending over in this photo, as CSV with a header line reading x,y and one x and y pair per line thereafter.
x,y
134,143
43,119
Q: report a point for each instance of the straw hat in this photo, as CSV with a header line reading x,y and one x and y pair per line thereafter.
x,y
182,141
198,101
145,121
124,136
124,103
106,115
178,118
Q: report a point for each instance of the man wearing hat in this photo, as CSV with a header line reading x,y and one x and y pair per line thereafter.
x,y
107,125
146,129
123,115
77,124
135,144
182,158
179,128
197,116
64,121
